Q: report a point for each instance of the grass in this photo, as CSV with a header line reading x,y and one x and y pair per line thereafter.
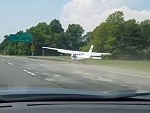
x,y
143,66
123,64
53,58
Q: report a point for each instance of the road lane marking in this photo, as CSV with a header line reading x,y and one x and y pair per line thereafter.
x,y
56,75
43,65
141,76
48,79
10,63
2,60
29,72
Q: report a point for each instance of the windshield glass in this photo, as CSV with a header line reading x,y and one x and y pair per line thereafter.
x,y
89,45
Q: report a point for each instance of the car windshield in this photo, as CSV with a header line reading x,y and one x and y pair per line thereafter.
x,y
84,45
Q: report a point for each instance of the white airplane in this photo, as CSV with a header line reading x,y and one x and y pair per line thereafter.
x,y
80,55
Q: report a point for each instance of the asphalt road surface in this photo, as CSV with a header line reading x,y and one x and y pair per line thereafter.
x,y
27,72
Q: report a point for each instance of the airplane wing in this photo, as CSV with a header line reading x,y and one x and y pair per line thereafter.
x,y
99,54
92,54
61,50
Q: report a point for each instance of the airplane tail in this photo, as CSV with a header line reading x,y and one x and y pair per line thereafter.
x,y
90,51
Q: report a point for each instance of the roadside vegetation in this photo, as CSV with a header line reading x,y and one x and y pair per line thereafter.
x,y
126,65
125,39
143,66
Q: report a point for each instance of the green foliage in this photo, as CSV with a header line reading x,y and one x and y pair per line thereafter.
x,y
74,32
51,35
116,17
56,26
124,39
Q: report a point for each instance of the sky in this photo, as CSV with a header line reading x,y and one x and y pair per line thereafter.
x,y
16,15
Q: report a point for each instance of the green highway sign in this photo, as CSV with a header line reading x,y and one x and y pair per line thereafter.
x,y
23,37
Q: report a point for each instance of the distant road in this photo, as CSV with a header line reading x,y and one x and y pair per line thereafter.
x,y
26,72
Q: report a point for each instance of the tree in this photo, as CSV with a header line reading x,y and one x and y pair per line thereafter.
x,y
121,38
56,26
42,36
116,17
145,32
145,53
132,39
10,49
74,32
4,43
51,35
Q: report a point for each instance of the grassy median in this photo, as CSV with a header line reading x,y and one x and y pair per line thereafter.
x,y
143,66
124,64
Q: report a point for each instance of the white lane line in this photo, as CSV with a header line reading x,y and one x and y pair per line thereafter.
x,y
29,72
2,60
10,63
48,79
141,76
43,64
56,75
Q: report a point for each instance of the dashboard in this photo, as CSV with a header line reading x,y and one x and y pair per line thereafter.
x,y
76,107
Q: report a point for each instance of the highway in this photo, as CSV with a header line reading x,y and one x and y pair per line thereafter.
x,y
26,72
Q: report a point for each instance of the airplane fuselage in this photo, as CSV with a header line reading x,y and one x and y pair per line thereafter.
x,y
79,56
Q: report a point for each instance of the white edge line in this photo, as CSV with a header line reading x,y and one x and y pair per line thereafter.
x,y
29,72
10,63
43,65
47,79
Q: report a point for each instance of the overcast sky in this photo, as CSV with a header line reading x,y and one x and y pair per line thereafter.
x,y
18,15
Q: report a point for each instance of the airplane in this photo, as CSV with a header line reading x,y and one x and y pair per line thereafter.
x,y
80,55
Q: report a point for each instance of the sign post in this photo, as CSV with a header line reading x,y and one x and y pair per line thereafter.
x,y
32,48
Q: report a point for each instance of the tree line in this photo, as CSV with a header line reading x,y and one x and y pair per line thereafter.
x,y
124,39
43,34
128,39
